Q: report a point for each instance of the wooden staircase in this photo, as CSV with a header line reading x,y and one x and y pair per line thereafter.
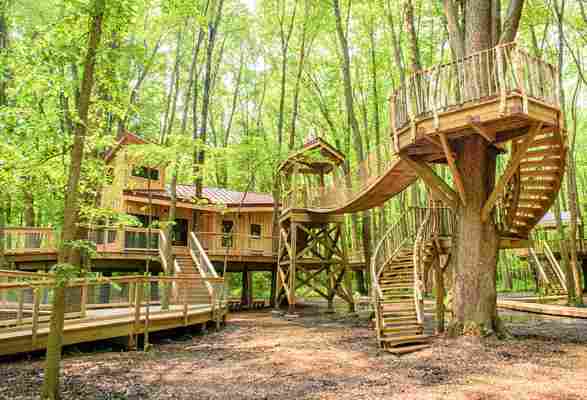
x,y
185,267
399,330
536,182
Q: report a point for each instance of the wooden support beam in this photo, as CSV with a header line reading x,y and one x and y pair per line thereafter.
x,y
432,140
453,167
488,134
510,171
438,188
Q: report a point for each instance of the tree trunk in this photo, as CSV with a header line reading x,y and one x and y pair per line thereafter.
x,y
213,23
476,246
71,207
476,250
474,283
50,389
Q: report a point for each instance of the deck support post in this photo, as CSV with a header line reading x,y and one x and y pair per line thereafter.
x,y
312,245
273,287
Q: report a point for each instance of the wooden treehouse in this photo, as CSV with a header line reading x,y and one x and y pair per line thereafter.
x,y
505,96
235,228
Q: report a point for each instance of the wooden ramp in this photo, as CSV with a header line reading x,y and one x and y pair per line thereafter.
x,y
543,309
397,176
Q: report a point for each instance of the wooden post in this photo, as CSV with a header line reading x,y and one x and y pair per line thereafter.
x,y
137,302
292,268
439,282
273,286
501,78
245,287
84,300
131,294
36,307
19,311
348,279
147,288
185,308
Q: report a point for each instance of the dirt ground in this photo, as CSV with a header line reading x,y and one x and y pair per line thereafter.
x,y
322,356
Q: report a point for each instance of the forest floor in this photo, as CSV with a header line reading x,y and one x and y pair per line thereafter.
x,y
323,356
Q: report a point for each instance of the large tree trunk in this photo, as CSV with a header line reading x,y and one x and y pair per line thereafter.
x,y
213,24
477,242
71,207
3,102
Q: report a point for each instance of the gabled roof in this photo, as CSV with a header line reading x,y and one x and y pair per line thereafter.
x,y
307,155
214,195
126,138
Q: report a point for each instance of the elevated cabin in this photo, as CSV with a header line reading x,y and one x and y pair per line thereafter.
x,y
236,226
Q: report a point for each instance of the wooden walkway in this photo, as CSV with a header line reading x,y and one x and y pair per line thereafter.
x,y
543,309
108,324
104,308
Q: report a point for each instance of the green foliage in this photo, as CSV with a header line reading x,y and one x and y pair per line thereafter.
x,y
64,273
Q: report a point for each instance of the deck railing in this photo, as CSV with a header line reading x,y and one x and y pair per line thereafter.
x,y
339,188
486,75
235,244
29,240
25,302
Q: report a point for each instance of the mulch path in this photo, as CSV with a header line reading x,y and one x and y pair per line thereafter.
x,y
322,356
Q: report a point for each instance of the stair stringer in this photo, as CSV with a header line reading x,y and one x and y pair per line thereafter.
x,y
536,183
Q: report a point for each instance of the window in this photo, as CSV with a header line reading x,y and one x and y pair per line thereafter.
x,y
146,172
227,233
256,231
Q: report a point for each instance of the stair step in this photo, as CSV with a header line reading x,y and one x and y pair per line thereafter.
x,y
398,319
546,142
406,349
405,338
401,327
550,152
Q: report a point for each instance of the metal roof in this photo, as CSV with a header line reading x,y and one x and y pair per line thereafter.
x,y
214,195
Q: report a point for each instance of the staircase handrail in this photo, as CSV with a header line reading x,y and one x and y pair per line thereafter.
x,y
207,270
201,258
422,237
556,266
163,250
396,236
539,265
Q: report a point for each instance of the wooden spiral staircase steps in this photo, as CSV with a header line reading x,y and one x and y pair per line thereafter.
x,y
399,331
535,184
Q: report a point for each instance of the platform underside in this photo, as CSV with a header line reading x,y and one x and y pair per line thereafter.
x,y
505,126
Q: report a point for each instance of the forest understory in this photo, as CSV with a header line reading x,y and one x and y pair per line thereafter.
x,y
322,356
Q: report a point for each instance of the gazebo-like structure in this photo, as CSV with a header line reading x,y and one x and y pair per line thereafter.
x,y
312,246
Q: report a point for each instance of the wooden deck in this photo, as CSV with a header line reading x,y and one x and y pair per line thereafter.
x,y
108,324
103,308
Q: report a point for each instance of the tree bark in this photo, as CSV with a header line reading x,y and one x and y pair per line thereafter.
x,y
476,246
71,207
213,24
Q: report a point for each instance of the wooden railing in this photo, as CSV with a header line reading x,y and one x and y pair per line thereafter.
x,y
433,222
25,302
29,240
494,73
234,244
340,188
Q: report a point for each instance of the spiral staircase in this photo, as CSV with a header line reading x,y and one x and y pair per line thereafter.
x,y
396,269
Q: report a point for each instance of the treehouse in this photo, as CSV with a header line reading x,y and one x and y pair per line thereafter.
x,y
236,226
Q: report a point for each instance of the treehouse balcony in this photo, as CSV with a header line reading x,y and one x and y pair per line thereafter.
x,y
497,93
